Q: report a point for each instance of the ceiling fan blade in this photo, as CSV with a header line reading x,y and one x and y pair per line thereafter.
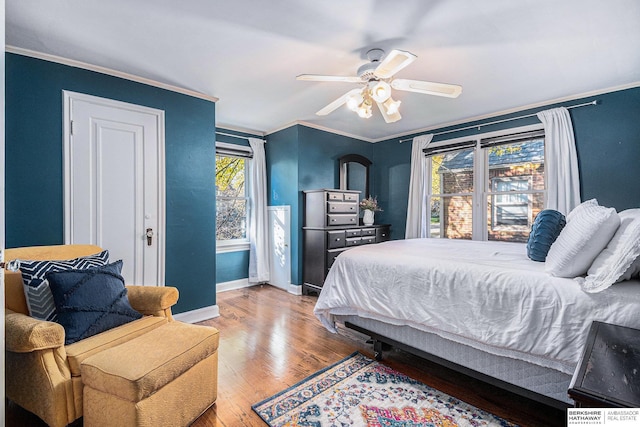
x,y
337,103
319,78
429,88
389,118
395,61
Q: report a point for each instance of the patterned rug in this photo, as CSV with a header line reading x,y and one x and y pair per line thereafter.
x,y
358,391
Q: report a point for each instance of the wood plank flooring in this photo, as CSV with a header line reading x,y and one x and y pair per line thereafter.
x,y
270,340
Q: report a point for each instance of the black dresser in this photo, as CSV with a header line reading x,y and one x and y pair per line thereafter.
x,y
332,226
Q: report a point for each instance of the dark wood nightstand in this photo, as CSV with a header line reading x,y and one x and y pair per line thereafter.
x,y
608,374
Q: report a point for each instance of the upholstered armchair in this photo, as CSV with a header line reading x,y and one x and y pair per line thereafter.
x,y
42,373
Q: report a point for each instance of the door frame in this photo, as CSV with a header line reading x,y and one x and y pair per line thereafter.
x,y
68,98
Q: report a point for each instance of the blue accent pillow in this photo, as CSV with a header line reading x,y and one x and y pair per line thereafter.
x,y
36,287
545,230
90,301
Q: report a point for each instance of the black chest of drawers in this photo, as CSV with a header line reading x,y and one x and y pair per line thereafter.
x,y
332,226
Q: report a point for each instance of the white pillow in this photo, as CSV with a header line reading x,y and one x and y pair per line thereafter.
x,y
634,269
576,211
620,259
587,233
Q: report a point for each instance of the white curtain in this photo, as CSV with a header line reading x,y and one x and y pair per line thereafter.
x,y
258,220
417,208
561,161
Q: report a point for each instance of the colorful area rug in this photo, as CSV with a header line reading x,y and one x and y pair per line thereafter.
x,y
358,391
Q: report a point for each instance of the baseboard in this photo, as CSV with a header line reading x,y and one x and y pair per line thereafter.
x,y
233,284
295,289
244,283
198,315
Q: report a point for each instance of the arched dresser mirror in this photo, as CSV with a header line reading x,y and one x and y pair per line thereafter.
x,y
354,173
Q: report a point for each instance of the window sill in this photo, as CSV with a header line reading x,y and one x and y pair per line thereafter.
x,y
222,248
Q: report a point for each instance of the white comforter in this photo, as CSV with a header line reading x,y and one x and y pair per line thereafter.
x,y
488,295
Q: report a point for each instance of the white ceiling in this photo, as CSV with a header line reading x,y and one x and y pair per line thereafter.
x,y
506,54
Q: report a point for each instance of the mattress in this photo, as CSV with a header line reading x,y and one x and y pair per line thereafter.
x,y
485,295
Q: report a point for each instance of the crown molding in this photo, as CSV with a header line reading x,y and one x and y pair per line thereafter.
x,y
195,94
107,71
325,129
223,127
513,110
468,119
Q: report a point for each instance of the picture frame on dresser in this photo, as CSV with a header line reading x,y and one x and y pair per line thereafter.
x,y
332,226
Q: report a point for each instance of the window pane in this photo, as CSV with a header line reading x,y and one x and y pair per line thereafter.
x,y
230,172
513,208
231,219
451,217
509,217
516,169
452,173
519,159
231,198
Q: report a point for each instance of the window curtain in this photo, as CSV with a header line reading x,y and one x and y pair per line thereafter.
x,y
416,208
258,220
561,161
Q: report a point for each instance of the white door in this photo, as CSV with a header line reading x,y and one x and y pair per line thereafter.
x,y
114,182
280,246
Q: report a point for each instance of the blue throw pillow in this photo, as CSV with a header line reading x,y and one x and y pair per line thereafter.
x,y
90,301
545,230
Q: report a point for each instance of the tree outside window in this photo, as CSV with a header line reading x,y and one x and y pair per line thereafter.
x,y
232,201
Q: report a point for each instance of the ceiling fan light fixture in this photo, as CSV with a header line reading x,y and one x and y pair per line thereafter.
x,y
364,109
391,106
354,101
365,113
377,78
380,91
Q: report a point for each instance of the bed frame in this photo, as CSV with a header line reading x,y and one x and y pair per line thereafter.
x,y
517,375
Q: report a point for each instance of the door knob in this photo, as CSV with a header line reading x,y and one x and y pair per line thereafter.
x,y
149,235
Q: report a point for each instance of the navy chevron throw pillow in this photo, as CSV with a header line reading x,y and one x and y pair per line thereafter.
x,y
36,287
91,301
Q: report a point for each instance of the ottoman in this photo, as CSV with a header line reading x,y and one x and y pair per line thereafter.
x,y
166,377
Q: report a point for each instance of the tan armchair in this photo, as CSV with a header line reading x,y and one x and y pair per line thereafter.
x,y
42,374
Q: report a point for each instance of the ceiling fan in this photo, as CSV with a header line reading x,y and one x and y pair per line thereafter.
x,y
377,78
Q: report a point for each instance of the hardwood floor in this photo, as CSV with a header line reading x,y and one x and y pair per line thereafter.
x,y
270,340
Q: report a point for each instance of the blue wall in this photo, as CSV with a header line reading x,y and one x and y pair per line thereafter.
x,y
302,158
232,266
607,141
34,176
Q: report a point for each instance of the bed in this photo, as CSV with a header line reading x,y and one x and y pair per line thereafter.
x,y
484,308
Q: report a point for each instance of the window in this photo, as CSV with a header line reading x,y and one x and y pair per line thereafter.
x,y
232,196
487,188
